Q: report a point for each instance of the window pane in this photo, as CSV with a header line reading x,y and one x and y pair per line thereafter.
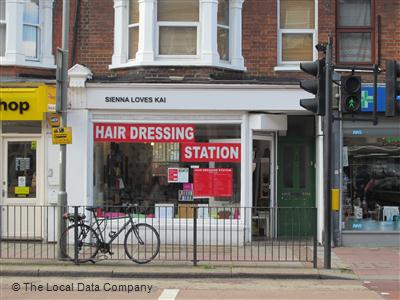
x,y
178,40
133,41
305,163
223,43
133,11
31,12
355,47
2,39
30,36
21,173
297,14
297,47
223,12
355,12
137,172
21,127
178,10
2,10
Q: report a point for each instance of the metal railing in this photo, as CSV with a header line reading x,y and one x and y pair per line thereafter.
x,y
189,233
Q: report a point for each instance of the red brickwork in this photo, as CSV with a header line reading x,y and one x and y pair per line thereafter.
x,y
94,42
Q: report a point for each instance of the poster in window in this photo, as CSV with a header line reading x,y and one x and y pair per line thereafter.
x,y
178,175
212,182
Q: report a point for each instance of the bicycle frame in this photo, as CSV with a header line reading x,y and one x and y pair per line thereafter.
x,y
100,232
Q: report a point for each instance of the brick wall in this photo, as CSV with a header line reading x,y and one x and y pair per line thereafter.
x,y
94,42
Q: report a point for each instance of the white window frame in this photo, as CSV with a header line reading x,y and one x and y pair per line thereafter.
x,y
148,48
14,54
295,65
38,37
132,25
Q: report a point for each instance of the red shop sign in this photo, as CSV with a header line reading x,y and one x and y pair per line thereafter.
x,y
213,182
205,152
134,133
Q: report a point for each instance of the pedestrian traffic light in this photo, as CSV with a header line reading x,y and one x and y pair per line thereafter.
x,y
350,94
314,86
392,87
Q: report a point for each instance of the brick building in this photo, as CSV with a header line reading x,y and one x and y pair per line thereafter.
x,y
227,71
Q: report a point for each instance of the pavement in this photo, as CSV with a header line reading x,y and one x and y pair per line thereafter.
x,y
377,269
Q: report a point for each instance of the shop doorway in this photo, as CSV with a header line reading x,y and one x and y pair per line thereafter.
x,y
296,186
21,188
263,187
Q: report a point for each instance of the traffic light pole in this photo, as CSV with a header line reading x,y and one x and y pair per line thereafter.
x,y
327,155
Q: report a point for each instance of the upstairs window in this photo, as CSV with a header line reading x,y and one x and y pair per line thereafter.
x,y
31,29
178,32
178,22
26,33
133,28
223,29
297,31
2,28
355,27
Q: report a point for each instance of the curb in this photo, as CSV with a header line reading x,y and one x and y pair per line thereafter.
x,y
113,274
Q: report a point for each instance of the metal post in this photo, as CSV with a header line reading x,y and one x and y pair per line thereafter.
x,y
195,235
327,155
62,194
374,113
315,239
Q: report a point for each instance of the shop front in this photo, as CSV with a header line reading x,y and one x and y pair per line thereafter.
x,y
169,148
371,183
23,148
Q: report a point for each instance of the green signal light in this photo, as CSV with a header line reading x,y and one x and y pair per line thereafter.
x,y
352,104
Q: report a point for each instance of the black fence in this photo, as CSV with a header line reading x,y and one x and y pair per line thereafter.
x,y
189,233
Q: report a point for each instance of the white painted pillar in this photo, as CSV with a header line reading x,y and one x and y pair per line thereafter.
x,y
208,22
246,176
47,32
147,26
120,32
14,53
236,33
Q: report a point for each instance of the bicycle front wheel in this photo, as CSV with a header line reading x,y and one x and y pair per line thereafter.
x,y
142,243
88,243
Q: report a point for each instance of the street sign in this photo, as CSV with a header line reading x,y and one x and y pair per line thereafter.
x,y
62,135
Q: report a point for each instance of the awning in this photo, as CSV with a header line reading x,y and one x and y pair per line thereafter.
x,y
26,103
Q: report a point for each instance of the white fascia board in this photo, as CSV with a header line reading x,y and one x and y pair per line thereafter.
x,y
195,97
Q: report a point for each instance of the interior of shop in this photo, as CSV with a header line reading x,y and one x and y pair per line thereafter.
x,y
371,183
153,176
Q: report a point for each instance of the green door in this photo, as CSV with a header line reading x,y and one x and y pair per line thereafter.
x,y
296,186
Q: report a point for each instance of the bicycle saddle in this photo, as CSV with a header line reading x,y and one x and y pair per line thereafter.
x,y
91,208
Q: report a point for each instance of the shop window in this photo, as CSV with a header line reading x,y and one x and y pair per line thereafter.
x,y
296,32
371,184
178,32
163,171
355,28
2,28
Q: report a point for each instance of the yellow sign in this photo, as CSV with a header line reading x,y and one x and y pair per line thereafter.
x,y
22,190
54,120
335,199
33,145
62,135
26,103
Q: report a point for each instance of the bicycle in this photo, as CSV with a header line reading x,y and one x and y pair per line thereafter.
x,y
92,240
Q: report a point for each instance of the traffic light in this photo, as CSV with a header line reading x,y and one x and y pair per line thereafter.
x,y
392,87
350,94
314,86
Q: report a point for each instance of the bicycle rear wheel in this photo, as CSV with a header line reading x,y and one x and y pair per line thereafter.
x,y
142,243
88,243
